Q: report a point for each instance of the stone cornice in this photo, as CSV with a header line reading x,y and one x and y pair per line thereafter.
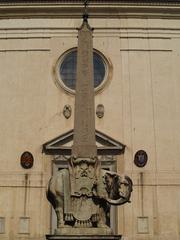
x,y
97,9
92,2
155,2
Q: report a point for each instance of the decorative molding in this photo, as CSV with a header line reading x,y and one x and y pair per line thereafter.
x,y
122,33
58,145
24,50
146,50
99,2
97,9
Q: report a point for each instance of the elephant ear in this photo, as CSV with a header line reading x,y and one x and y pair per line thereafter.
x,y
109,182
130,183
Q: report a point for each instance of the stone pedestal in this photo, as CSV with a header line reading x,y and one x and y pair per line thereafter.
x,y
83,237
102,231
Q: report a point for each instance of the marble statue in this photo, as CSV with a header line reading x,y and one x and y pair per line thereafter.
x,y
81,194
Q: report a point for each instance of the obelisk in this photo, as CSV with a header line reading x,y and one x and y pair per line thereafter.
x,y
81,194
84,165
84,123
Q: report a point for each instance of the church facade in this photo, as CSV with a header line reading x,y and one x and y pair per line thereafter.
x,y
137,112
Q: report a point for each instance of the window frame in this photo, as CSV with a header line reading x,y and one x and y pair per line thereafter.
x,y
59,82
2,225
24,225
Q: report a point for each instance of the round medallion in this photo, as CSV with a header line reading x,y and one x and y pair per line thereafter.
x,y
27,160
140,158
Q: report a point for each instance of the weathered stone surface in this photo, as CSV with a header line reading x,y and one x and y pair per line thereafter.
x,y
106,231
83,237
84,123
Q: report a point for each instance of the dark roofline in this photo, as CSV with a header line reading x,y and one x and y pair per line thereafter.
x,y
96,9
13,2
91,1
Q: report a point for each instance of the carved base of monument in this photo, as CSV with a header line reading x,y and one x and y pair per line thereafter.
x,y
83,237
87,231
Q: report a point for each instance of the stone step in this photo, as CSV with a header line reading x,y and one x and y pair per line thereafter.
x,y
83,237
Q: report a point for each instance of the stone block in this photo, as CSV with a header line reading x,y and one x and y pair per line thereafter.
x,y
83,237
73,231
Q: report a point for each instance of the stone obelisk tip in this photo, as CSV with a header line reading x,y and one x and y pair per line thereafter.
x,y
85,17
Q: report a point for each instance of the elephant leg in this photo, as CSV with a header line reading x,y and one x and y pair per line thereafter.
x,y
102,218
60,217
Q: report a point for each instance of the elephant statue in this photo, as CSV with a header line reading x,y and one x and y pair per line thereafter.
x,y
107,189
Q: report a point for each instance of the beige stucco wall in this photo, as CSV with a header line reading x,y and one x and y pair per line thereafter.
x,y
141,110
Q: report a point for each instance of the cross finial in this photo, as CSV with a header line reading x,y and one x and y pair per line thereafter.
x,y
86,3
85,15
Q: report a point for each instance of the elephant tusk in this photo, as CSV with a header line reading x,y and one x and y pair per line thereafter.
x,y
119,201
